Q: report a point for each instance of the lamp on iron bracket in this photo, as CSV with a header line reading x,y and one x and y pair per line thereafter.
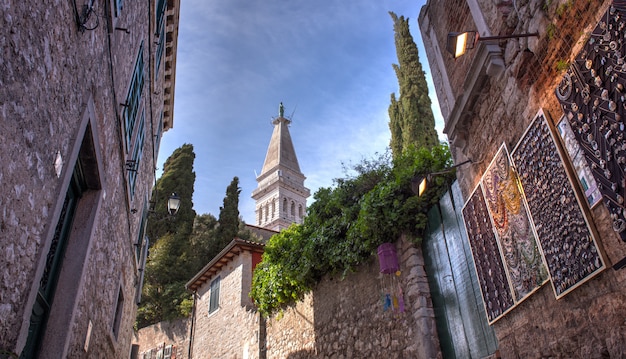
x,y
419,183
459,42
173,204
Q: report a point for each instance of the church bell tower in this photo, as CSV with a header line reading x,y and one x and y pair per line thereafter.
x,y
280,194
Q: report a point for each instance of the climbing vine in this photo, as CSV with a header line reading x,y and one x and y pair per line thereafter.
x,y
346,223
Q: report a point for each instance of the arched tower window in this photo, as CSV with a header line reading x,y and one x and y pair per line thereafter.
x,y
285,205
300,211
273,208
266,211
293,208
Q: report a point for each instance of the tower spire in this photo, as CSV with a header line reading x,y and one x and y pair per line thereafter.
x,y
280,194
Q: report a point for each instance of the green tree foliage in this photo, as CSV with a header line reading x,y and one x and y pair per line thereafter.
x,y
164,283
185,243
229,215
178,177
202,241
411,119
169,264
346,224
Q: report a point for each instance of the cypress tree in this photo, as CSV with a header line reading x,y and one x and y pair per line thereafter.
x,y
411,119
178,177
229,215
168,267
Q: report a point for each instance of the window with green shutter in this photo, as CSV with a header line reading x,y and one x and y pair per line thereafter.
x,y
133,98
214,300
137,152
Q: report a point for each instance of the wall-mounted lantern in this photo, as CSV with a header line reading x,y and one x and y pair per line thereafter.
x,y
173,204
459,42
419,183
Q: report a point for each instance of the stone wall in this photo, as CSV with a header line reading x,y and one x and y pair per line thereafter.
x,y
59,85
341,318
153,338
589,321
345,318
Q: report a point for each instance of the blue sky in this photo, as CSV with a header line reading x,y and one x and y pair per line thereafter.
x,y
328,61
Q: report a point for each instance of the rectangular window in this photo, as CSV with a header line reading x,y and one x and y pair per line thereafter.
x,y
133,99
118,6
142,231
159,52
119,308
157,138
161,6
167,352
214,300
135,159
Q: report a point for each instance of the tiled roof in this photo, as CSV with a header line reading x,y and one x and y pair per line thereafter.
x,y
234,248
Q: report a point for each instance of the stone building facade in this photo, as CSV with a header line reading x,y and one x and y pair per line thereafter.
x,y
225,323
341,318
87,90
165,340
506,104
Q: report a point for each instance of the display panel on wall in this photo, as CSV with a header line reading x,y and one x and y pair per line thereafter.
x,y
507,208
585,177
494,285
592,94
567,242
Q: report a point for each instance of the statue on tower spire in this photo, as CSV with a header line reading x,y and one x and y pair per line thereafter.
x,y
281,110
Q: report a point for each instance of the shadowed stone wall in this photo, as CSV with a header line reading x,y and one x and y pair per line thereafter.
x,y
346,318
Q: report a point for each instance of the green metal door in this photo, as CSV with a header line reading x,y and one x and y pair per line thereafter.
x,y
459,311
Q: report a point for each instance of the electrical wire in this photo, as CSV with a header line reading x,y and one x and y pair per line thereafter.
x,y
84,17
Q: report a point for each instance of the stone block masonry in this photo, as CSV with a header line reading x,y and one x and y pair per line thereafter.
x,y
346,318
63,92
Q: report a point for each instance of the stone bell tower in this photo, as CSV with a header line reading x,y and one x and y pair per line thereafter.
x,y
280,195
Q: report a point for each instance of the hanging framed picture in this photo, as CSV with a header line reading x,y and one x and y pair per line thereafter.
x,y
492,278
515,233
583,171
565,235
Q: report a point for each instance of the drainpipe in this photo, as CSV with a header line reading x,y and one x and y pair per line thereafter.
x,y
191,327
262,337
